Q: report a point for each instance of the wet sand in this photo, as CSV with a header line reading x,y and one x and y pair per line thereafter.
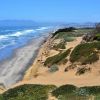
x,y
13,69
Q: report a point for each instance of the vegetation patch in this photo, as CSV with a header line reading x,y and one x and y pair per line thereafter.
x,y
64,90
85,53
97,37
71,92
28,92
69,34
64,61
91,90
1,97
40,92
60,46
69,39
53,68
82,70
70,29
56,58
72,66
64,35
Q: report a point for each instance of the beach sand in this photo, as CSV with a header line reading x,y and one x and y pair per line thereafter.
x,y
13,69
38,74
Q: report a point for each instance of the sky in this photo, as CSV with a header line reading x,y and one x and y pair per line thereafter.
x,y
51,10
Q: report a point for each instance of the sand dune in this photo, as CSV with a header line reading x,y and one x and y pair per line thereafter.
x,y
60,77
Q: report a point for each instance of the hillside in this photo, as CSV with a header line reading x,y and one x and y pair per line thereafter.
x,y
66,58
69,56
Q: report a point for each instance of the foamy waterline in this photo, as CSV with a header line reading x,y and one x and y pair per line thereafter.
x,y
14,39
16,34
20,33
12,70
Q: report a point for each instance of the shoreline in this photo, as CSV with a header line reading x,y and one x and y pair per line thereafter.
x,y
28,74
31,50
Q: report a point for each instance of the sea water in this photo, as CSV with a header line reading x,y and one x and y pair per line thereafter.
x,y
20,44
15,37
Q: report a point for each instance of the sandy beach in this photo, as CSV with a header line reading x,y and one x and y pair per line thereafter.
x,y
13,69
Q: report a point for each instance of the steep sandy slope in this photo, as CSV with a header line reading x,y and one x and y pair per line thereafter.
x,y
42,76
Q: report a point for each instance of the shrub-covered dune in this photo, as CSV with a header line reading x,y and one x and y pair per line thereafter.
x,y
41,92
28,92
70,92
85,53
57,58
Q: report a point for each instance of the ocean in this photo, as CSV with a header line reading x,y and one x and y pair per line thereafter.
x,y
18,48
15,37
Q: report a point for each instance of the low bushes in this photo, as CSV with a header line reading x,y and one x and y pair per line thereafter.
x,y
85,53
71,92
60,46
1,97
91,90
63,35
69,39
91,58
82,70
53,68
97,37
65,89
64,61
28,92
70,29
56,58
72,97
40,92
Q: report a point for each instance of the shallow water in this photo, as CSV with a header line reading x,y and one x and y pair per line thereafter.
x,y
15,37
16,41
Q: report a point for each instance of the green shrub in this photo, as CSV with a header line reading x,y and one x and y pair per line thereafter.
x,y
1,97
53,68
59,46
56,58
28,92
85,53
97,37
65,89
72,97
91,58
40,92
97,97
92,90
70,92
64,61
65,35
69,39
82,70
70,29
